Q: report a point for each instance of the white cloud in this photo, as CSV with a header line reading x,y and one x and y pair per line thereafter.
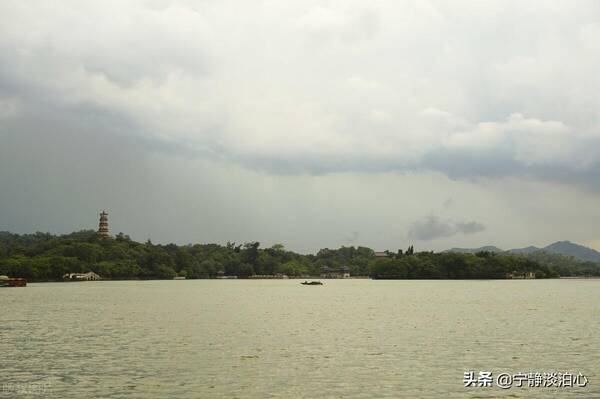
x,y
338,87
532,141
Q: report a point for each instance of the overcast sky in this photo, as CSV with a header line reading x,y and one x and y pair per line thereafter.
x,y
308,123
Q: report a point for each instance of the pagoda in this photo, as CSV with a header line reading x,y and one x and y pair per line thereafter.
x,y
103,225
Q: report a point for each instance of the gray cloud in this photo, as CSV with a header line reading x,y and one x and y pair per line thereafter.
x,y
198,81
432,227
299,108
469,227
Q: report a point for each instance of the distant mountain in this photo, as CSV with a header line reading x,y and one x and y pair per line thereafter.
x,y
566,248
575,250
487,248
527,250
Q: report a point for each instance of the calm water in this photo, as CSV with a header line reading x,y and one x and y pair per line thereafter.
x,y
262,339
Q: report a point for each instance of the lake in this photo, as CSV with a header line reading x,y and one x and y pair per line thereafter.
x,y
279,339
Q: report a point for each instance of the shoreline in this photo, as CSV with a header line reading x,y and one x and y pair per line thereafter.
x,y
320,278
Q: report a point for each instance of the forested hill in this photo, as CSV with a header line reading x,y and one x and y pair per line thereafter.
x,y
565,248
42,256
575,250
46,257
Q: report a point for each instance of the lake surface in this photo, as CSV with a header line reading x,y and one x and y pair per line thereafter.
x,y
279,339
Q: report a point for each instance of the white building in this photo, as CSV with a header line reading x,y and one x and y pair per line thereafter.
x,y
335,272
89,276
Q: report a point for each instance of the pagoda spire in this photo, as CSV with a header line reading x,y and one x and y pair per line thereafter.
x,y
103,225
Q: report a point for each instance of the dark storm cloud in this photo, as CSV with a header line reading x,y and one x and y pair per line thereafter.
x,y
432,227
457,164
499,163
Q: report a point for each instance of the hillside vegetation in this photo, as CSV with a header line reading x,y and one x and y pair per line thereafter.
x,y
46,257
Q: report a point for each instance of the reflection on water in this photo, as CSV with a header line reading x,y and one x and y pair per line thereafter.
x,y
277,338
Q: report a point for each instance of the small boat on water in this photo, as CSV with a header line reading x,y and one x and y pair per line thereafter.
x,y
311,283
6,281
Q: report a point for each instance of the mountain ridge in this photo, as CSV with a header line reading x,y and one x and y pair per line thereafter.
x,y
568,248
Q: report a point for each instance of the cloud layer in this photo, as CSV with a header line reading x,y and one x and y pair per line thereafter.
x,y
476,89
252,120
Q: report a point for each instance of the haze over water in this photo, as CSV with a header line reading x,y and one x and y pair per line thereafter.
x,y
278,339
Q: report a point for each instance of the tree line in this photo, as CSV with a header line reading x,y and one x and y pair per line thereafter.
x,y
450,265
47,257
